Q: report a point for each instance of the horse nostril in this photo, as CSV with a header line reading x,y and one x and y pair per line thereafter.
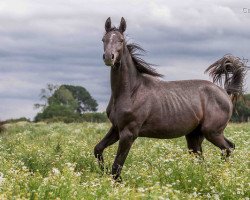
x,y
103,56
113,56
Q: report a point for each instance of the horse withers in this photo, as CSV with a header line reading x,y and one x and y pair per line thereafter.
x,y
142,105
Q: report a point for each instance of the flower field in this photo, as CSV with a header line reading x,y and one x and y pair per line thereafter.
x,y
56,161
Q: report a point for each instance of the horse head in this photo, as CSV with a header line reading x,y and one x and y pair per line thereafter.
x,y
113,42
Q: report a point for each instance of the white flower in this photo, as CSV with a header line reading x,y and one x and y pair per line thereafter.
x,y
1,178
216,197
194,194
78,174
55,171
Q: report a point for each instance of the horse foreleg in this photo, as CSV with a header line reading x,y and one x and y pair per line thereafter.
x,y
110,138
125,142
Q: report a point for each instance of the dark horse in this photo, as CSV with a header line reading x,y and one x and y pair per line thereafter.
x,y
142,105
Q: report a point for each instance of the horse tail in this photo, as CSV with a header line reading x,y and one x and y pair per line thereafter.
x,y
231,70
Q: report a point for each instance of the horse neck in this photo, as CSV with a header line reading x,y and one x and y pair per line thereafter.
x,y
124,77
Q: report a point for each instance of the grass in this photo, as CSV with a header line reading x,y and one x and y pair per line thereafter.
x,y
55,161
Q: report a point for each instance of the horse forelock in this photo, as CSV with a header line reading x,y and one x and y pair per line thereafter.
x,y
113,29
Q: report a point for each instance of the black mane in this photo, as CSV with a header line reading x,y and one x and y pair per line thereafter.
x,y
141,65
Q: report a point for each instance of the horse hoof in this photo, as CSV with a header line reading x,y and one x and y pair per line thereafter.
x,y
117,178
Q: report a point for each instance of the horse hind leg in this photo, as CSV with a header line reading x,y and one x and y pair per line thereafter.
x,y
220,141
194,141
213,127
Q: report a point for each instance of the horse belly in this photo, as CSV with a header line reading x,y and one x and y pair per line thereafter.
x,y
165,132
170,127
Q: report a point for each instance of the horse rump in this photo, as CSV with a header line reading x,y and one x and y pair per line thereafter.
x,y
229,72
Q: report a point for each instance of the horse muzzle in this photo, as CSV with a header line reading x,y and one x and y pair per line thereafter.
x,y
109,59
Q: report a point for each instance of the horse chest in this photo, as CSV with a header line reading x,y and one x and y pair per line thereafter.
x,y
121,114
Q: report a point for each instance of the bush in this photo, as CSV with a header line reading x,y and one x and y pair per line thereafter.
x,y
21,119
55,113
74,118
95,117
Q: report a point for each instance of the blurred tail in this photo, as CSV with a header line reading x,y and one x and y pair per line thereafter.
x,y
231,70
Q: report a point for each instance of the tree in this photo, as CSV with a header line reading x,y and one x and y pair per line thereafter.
x,y
242,110
63,102
45,94
84,100
62,96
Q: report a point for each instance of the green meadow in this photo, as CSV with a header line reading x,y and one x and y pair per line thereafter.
x,y
56,161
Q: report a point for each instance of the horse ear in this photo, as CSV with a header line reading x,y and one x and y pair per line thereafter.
x,y
123,25
108,24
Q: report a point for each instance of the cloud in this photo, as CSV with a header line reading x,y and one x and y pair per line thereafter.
x,y
60,42
15,108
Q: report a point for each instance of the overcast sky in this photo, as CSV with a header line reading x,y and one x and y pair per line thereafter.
x,y
59,42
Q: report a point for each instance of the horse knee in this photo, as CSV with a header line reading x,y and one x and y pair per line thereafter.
x,y
126,139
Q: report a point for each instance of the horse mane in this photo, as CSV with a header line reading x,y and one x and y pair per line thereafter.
x,y
141,65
